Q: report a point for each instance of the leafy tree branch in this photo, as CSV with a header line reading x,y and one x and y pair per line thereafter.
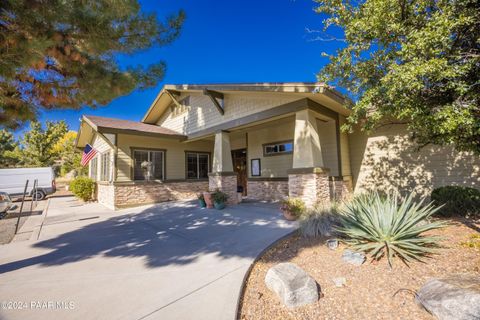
x,y
414,61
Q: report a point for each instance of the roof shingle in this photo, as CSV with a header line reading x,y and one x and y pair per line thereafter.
x,y
112,123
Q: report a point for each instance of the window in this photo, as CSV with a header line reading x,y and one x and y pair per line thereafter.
x,y
148,165
184,107
198,165
277,148
93,168
105,167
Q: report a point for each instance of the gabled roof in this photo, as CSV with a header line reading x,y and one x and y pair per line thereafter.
x,y
300,89
91,124
117,124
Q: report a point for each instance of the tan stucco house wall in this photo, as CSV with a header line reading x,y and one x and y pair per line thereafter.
x,y
291,130
388,160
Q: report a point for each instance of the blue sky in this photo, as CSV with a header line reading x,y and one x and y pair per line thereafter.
x,y
224,42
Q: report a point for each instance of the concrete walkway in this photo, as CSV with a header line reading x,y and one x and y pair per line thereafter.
x,y
168,261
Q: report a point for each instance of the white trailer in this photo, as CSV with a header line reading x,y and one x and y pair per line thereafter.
x,y
12,181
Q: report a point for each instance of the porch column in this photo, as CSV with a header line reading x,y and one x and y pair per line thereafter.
x,y
308,178
222,176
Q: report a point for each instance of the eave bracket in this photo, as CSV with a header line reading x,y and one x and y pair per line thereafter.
x,y
215,96
173,94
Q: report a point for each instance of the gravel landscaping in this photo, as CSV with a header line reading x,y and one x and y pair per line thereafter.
x,y
372,290
9,222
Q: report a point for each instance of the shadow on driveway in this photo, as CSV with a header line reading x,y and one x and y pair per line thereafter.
x,y
166,234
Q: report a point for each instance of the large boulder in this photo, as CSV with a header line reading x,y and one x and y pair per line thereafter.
x,y
293,286
456,297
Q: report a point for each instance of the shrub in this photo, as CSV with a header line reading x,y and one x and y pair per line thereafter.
x,y
457,200
295,206
382,226
472,242
82,187
319,221
219,196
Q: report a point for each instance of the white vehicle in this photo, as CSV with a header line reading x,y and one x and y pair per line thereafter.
x,y
12,181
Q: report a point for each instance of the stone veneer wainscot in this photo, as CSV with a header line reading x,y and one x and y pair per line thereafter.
x,y
125,194
267,189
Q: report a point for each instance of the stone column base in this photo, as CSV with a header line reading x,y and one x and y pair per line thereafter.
x,y
225,182
106,194
309,184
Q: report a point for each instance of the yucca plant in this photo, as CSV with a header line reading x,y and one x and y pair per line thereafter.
x,y
390,227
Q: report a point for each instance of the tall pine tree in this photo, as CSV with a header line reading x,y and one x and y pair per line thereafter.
x,y
62,54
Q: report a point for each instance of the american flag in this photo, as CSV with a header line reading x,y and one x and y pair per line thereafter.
x,y
88,154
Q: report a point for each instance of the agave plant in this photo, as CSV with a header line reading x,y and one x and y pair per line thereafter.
x,y
388,226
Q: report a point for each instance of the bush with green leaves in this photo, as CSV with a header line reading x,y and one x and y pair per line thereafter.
x,y
457,200
320,221
294,206
83,188
219,196
388,226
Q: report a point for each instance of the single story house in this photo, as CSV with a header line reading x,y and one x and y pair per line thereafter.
x,y
267,140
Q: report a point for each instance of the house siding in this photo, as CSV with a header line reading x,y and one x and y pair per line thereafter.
x,y
328,144
271,166
344,149
175,154
102,146
388,160
203,114
238,141
283,130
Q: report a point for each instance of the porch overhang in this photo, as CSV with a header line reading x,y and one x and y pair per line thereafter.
x,y
317,92
91,125
275,113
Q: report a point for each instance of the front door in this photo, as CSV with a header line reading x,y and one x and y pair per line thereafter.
x,y
239,158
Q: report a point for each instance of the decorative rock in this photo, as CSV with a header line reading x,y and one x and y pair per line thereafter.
x,y
355,258
340,282
332,244
456,297
292,284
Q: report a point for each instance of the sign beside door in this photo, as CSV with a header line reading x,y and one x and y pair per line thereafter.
x,y
255,167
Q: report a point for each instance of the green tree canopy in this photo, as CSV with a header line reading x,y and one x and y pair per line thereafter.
x,y
414,62
69,155
39,144
7,142
7,146
62,54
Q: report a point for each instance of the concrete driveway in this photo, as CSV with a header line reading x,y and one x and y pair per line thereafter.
x,y
168,261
